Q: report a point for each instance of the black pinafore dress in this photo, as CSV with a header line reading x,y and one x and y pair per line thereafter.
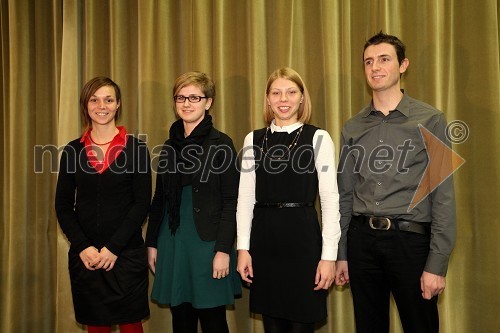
x,y
286,243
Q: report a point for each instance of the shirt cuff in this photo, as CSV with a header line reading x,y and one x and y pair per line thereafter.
x,y
81,246
342,252
243,243
329,253
437,264
114,248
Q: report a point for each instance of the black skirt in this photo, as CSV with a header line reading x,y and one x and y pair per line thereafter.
x,y
286,249
119,296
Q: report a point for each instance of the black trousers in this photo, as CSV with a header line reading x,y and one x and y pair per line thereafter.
x,y
385,262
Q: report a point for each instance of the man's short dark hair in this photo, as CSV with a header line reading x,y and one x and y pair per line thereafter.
x,y
389,39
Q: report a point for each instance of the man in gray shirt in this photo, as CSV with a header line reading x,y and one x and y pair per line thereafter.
x,y
396,199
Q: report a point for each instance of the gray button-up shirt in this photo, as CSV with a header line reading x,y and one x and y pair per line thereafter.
x,y
382,163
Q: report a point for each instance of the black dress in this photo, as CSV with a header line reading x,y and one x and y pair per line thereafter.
x,y
108,210
286,243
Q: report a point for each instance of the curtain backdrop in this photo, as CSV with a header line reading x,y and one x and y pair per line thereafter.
x,y
50,48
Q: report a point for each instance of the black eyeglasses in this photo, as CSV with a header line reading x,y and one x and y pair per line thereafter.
x,y
191,98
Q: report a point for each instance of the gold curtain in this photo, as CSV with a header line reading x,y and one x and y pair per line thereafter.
x,y
50,48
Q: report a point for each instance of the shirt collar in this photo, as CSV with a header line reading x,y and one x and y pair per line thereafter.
x,y
403,106
289,128
86,135
122,134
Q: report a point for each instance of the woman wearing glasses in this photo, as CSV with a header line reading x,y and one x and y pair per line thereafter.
x,y
282,252
192,224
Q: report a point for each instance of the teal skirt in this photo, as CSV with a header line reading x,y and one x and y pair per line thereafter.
x,y
184,265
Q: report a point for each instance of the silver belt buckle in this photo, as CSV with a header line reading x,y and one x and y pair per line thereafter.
x,y
386,226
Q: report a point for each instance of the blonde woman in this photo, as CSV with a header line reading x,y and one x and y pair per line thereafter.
x,y
283,254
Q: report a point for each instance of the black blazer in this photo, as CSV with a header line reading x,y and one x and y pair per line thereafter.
x,y
215,193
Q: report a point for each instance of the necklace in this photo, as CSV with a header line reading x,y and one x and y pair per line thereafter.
x,y
289,148
100,144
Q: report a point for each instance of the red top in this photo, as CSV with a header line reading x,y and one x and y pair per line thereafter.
x,y
115,148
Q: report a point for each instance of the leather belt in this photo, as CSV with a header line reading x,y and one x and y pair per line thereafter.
x,y
385,223
283,204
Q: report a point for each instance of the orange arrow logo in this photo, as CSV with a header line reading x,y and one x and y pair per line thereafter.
x,y
443,162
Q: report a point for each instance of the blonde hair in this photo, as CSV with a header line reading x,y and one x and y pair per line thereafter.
x,y
198,79
287,73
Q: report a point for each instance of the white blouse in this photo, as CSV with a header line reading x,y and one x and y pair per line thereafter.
x,y
324,159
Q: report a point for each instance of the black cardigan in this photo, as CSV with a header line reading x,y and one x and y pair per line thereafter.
x,y
109,208
215,192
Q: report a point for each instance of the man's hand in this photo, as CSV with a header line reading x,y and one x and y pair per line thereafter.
x,y
432,285
342,273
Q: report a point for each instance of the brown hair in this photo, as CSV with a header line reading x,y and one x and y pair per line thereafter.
x,y
88,91
380,38
304,112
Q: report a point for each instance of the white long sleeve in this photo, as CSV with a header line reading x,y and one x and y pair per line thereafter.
x,y
324,159
246,195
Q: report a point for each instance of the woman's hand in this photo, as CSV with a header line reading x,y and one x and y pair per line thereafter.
x,y
220,265
90,257
245,265
106,260
325,274
152,254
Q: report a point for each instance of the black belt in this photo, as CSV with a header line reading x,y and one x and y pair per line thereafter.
x,y
385,223
283,204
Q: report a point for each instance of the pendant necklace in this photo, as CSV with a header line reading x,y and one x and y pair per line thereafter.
x,y
289,149
99,144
